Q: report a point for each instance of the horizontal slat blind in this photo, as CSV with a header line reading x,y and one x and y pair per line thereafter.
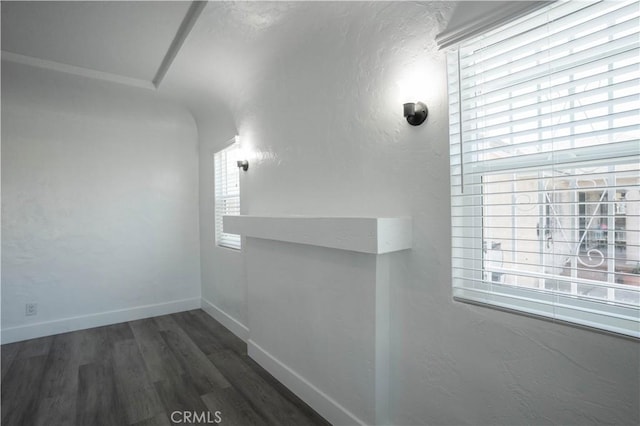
x,y
545,165
227,193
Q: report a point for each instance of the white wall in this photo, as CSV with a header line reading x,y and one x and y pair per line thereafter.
x,y
312,309
222,269
99,203
326,128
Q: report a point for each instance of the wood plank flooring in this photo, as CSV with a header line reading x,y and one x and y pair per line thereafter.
x,y
139,373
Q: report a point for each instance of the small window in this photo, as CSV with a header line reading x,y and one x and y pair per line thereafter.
x,y
227,192
545,165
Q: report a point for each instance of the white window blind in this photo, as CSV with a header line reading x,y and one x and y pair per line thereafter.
x,y
227,192
545,165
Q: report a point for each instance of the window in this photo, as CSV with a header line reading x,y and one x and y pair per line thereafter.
x,y
545,165
227,192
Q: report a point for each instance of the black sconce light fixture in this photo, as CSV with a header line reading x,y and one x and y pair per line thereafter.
x,y
243,164
415,113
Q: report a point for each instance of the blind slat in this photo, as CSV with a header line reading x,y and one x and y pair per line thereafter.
x,y
531,51
625,77
227,193
545,135
534,82
534,22
624,101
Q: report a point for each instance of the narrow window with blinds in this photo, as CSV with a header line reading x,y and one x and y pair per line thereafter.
x,y
545,165
227,192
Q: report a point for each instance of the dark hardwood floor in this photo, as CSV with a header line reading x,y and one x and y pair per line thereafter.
x,y
139,373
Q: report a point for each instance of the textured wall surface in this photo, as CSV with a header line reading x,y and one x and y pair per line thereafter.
x,y
313,90
222,269
99,198
100,209
322,118
313,309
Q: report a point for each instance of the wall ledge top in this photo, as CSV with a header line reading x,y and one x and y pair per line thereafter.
x,y
373,235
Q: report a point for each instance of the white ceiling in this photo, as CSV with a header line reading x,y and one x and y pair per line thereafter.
x,y
235,44
124,38
231,46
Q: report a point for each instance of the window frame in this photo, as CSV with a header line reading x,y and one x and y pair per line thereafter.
x,y
226,202
467,185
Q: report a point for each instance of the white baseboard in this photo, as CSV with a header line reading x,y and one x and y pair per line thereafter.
x,y
323,404
235,326
48,328
331,410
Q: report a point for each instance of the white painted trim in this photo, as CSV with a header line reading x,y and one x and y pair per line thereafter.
x,y
327,407
232,324
382,340
74,70
374,235
181,35
504,15
48,328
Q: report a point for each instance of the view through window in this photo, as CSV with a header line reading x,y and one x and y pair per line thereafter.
x,y
227,192
545,165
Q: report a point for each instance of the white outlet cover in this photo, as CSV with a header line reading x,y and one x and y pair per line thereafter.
x,y
31,309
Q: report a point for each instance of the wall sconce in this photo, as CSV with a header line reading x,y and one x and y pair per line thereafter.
x,y
415,113
243,164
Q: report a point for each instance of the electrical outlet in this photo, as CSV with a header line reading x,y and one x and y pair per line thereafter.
x,y
31,309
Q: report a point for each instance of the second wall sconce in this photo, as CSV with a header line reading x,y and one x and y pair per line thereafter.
x,y
243,164
415,113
